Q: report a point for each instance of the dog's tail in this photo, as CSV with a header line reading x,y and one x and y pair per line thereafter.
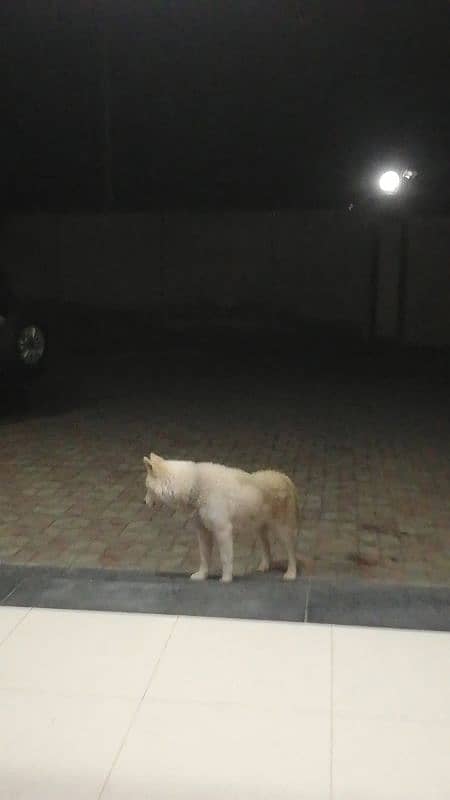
x,y
297,507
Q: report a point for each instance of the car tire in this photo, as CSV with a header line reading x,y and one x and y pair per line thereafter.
x,y
31,346
28,345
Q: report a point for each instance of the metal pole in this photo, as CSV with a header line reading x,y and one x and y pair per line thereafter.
x,y
374,282
402,282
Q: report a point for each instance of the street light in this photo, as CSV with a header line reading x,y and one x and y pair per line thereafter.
x,y
389,182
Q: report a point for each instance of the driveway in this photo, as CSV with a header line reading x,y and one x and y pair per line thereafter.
x,y
366,440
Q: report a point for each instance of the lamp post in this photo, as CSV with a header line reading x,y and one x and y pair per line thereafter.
x,y
391,183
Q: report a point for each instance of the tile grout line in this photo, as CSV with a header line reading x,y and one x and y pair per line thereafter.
x,y
17,625
136,711
11,591
331,709
156,667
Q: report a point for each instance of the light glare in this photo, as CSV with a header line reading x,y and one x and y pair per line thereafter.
x,y
389,182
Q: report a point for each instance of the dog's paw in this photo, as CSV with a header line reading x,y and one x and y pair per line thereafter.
x,y
290,575
200,575
226,579
263,566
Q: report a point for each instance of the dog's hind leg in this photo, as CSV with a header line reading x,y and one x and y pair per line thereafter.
x,y
288,537
264,564
224,538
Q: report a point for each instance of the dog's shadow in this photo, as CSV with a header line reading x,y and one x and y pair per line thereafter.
x,y
278,567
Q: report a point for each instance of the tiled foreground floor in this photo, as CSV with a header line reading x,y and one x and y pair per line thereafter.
x,y
112,706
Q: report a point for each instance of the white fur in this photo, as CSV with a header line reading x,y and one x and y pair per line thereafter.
x,y
225,500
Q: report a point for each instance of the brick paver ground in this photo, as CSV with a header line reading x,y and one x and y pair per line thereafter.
x,y
368,452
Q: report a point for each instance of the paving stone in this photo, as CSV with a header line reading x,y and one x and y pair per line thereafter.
x,y
368,556
25,555
51,509
8,516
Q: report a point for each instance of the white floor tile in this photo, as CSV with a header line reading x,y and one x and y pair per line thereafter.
x,y
268,664
9,619
391,674
58,748
84,653
222,752
380,760
236,709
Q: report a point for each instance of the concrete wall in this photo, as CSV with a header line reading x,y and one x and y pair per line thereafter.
x,y
316,265
113,261
322,265
220,259
29,253
387,301
427,315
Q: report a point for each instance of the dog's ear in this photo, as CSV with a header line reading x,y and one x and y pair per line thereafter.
x,y
158,464
148,463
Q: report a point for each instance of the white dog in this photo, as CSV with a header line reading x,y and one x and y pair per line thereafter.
x,y
223,500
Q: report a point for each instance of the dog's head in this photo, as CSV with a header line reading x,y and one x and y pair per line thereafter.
x,y
158,482
168,482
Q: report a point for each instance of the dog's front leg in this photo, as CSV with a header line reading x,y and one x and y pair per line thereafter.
x,y
205,543
224,538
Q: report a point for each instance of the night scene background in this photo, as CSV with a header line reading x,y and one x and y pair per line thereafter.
x,y
255,104
207,158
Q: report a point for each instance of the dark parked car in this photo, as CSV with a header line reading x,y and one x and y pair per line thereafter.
x,y
23,336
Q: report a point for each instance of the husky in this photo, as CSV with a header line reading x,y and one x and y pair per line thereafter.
x,y
224,500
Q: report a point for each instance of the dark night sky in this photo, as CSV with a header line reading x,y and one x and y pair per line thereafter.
x,y
239,102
